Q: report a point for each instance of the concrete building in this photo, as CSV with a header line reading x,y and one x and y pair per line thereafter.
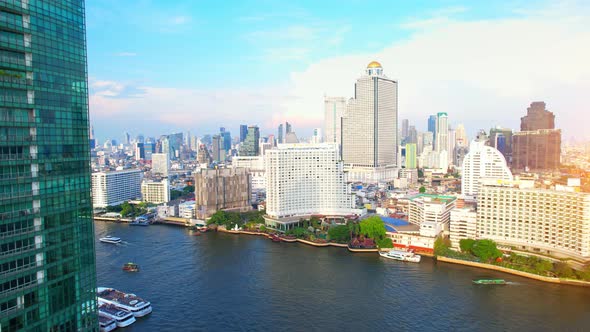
x,y
156,192
501,139
551,222
280,136
411,156
186,210
243,132
369,128
160,164
441,143
538,117
482,162
463,225
538,150
334,108
114,188
431,212
303,180
255,166
221,189
250,146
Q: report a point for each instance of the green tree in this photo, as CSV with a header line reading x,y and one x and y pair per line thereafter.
x,y
188,189
563,270
298,232
486,250
263,228
339,233
422,190
466,245
219,218
175,194
542,266
440,247
373,227
126,209
385,243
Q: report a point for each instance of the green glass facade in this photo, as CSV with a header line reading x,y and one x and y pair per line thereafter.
x,y
47,260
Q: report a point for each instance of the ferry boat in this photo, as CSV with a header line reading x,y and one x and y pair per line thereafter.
x,y
490,282
126,301
140,221
400,255
110,239
106,324
122,317
131,267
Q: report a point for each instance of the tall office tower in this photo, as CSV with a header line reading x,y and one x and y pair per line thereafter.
x,y
412,135
369,128
206,139
281,137
538,145
194,143
139,151
148,149
537,118
47,265
222,129
203,156
317,135
250,147
405,128
427,140
482,162
451,145
160,163
243,132
441,141
175,141
334,110
288,128
461,136
140,138
127,138
217,148
165,147
501,139
432,127
226,137
272,140
411,155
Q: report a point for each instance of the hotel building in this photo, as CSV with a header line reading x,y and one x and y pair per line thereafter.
x,y
156,192
114,188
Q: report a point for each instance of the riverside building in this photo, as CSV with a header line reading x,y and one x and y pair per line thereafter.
x,y
482,162
47,260
114,188
369,128
431,212
156,192
334,108
463,225
551,222
221,189
304,180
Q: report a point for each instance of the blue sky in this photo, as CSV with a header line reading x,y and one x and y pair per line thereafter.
x,y
164,66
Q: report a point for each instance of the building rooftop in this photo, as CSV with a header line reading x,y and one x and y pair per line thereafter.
x,y
433,198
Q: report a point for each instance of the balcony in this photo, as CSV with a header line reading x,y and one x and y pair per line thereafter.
x,y
17,251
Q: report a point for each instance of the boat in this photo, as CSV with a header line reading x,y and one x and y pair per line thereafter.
x,y
131,267
490,282
140,221
121,317
126,301
106,324
110,239
400,255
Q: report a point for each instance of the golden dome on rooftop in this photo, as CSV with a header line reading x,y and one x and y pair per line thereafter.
x,y
374,64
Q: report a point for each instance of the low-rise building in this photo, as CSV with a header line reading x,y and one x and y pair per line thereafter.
x,y
186,210
156,192
431,212
114,188
463,225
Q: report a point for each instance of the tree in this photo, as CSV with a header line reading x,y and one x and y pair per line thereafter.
x,y
385,243
373,227
422,190
440,248
188,189
298,232
466,245
486,250
339,233
126,209
563,270
175,194
219,218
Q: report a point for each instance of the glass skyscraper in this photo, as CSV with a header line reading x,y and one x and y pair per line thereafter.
x,y
47,261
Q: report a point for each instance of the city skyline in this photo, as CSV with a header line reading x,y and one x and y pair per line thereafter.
x,y
130,82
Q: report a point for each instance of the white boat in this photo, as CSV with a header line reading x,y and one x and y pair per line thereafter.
x,y
106,324
400,255
129,302
121,317
110,239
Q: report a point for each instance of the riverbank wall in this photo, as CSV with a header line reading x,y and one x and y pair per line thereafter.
x,y
514,272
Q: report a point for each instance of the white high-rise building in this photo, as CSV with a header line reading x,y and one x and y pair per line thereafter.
x,y
556,223
156,192
255,166
482,162
461,136
303,180
114,188
369,128
431,212
160,163
334,110
442,132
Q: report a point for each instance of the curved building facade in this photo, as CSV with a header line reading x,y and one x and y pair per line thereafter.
x,y
482,162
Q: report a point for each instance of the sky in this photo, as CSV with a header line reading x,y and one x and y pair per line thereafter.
x,y
158,67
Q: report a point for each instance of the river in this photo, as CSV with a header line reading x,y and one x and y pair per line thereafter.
x,y
227,282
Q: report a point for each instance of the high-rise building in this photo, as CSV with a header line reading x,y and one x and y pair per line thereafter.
x,y
405,129
218,154
47,265
412,135
482,162
441,141
250,146
155,192
221,189
226,138
461,136
288,128
160,163
334,110
114,188
281,137
317,135
432,127
139,151
431,212
303,180
243,132
501,139
127,138
369,127
203,155
411,156
537,118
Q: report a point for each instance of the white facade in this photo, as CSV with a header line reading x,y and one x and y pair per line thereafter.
x,y
334,108
552,222
442,132
114,188
160,163
369,125
463,225
431,212
305,179
156,192
482,162
255,166
186,210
